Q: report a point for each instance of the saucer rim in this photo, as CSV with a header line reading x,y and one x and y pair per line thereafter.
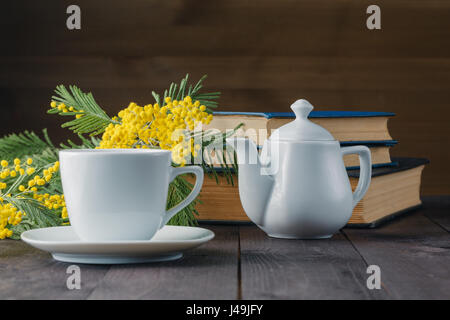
x,y
25,237
114,260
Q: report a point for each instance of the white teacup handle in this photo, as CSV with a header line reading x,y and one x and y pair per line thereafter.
x,y
365,171
198,171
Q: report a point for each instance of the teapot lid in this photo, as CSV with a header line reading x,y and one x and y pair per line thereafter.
x,y
302,129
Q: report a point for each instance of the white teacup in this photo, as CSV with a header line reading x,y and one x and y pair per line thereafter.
x,y
120,194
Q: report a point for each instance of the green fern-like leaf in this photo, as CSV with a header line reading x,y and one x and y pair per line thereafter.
x,y
179,189
23,144
86,143
44,153
37,216
180,91
93,120
41,150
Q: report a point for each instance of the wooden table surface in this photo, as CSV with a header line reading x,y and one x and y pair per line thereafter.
x,y
413,253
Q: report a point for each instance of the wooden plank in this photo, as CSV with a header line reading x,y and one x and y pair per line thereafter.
x,y
437,209
301,269
208,272
28,273
413,255
229,72
295,28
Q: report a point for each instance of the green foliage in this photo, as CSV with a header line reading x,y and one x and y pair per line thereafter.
x,y
179,189
37,216
209,138
23,144
93,119
86,143
215,145
43,152
29,145
182,90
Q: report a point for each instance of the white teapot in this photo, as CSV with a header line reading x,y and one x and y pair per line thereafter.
x,y
299,188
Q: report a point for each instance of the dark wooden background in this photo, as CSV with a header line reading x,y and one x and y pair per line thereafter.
x,y
262,55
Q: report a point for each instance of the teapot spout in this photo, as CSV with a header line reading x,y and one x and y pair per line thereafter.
x,y
255,186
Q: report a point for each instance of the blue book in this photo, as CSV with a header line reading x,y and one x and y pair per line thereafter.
x,y
313,114
379,152
343,125
349,127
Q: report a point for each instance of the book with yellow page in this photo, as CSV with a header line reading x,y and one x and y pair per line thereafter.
x,y
349,127
343,125
393,190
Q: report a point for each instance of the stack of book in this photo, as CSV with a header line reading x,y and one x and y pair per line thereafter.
x,y
395,186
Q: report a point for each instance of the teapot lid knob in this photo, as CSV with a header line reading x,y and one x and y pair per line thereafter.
x,y
301,129
302,108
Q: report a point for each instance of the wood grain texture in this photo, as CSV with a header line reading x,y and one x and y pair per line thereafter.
x,y
208,272
241,262
28,273
413,254
202,27
302,269
261,54
438,210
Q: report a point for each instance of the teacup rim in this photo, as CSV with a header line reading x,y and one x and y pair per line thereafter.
x,y
115,151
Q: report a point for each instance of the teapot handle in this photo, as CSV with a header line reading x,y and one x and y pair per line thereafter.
x,y
365,171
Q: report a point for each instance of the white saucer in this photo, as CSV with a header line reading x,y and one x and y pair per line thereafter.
x,y
168,244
